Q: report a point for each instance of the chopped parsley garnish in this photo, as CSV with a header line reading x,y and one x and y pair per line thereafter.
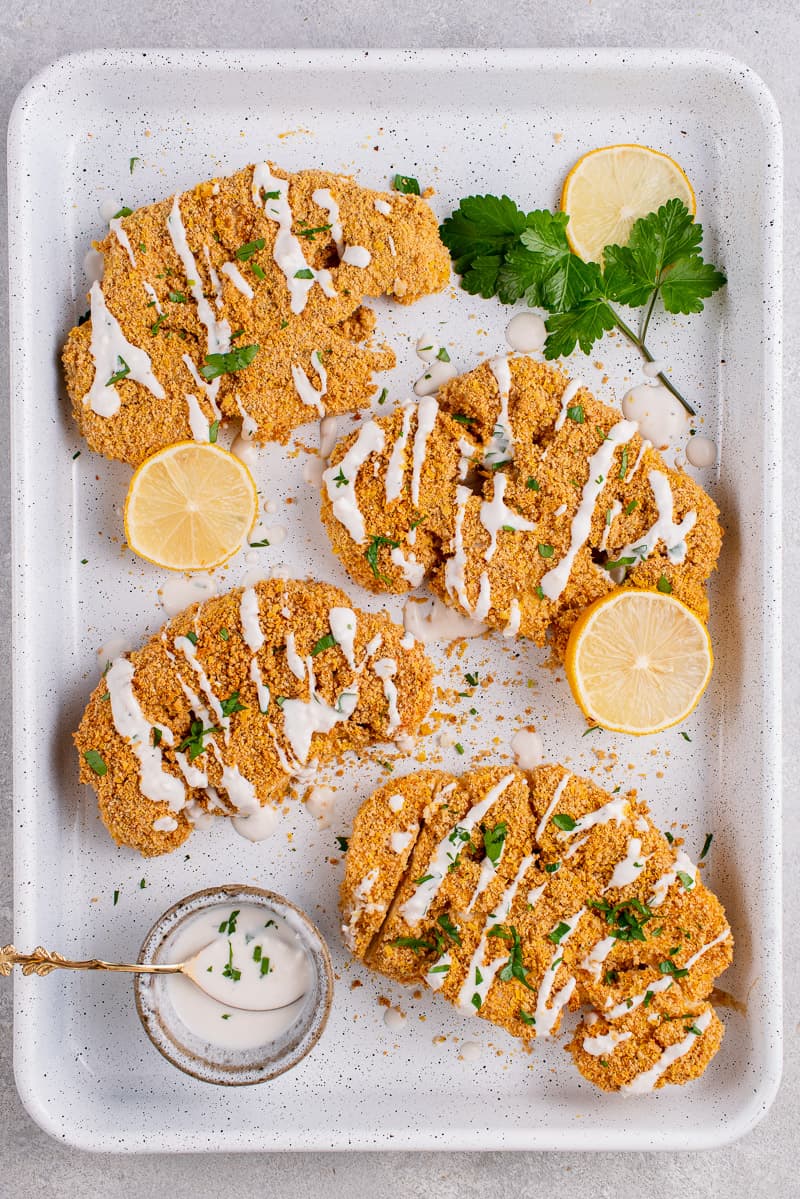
x,y
228,364
593,728
343,844
576,413
686,879
309,233
458,747
551,867
224,634
225,1016
463,420
371,554
415,943
156,325
443,355
213,430
246,252
384,395
515,966
443,969
532,484
229,970
526,1017
341,480
192,637
177,297
116,898
257,953
229,926
232,704
406,184
258,271
559,932
157,736
451,930
326,642
124,211
305,273
132,163
259,545
265,967
472,679
668,967
669,837
545,551
94,760
664,585
685,736
626,919
476,1001
423,878
564,821
194,743
142,884
706,845
120,374
493,841
693,1028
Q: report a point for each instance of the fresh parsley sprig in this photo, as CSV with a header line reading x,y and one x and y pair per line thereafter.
x,y
499,250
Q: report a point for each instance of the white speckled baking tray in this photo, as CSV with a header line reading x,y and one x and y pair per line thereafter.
x,y
462,122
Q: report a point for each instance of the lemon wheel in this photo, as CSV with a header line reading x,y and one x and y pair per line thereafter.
x,y
638,661
190,506
609,189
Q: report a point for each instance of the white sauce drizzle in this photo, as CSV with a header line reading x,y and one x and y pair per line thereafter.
x,y
218,332
237,279
551,807
189,651
324,199
342,623
501,443
602,1044
665,529
395,471
431,621
412,570
303,718
396,802
115,224
155,783
386,669
615,810
370,440
293,659
527,749
454,570
357,256
427,411
153,294
249,616
701,452
165,824
262,690
484,602
286,252
630,867
214,277
382,207
198,423
401,840
647,1080
661,984
471,986
526,333
661,417
545,1016
570,391
306,390
495,515
611,516
682,863
514,617
416,906
555,580
108,345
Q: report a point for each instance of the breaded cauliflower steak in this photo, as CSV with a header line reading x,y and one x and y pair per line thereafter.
x,y
217,713
259,259
521,895
522,498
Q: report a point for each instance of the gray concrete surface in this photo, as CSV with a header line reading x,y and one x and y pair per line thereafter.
x,y
766,35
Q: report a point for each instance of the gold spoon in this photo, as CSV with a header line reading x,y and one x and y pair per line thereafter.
x,y
42,962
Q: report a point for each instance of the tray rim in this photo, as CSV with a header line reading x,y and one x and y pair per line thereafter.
x,y
597,59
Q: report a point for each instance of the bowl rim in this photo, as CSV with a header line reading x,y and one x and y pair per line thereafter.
x,y
278,901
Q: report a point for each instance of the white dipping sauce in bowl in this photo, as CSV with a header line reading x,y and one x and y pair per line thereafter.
x,y
250,957
259,946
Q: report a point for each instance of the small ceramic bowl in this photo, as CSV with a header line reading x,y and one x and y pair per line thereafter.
x,y
194,1054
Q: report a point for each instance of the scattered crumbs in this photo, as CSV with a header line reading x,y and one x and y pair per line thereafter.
x,y
383,1001
558,138
355,984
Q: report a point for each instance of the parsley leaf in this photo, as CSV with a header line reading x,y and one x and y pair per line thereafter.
x,y
96,761
228,364
371,554
493,840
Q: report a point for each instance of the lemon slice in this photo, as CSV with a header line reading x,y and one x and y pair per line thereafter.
x,y
638,661
609,189
190,506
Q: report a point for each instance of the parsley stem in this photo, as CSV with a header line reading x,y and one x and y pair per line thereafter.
x,y
639,343
644,324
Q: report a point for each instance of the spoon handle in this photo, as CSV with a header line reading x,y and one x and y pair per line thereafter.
x,y
42,962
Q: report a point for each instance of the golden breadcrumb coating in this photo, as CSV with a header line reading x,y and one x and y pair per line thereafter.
x,y
493,527
261,743
232,240
520,895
